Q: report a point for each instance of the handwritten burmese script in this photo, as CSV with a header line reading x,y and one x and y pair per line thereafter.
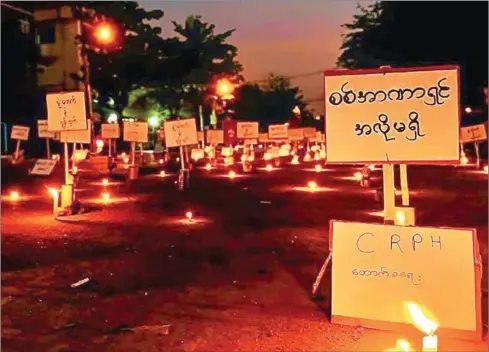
x,y
135,132
247,130
66,111
376,268
398,116
180,133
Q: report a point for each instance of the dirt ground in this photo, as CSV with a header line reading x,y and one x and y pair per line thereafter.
x,y
238,278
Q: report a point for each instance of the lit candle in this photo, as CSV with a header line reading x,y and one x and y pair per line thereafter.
x,y
106,196
105,182
358,176
430,343
162,173
318,168
269,167
312,185
189,216
55,195
232,174
14,195
208,167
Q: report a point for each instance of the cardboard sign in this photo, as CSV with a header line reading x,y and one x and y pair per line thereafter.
x,y
66,111
111,131
20,132
263,137
309,132
247,130
400,115
230,131
200,136
78,136
135,132
43,167
215,136
42,129
79,154
180,132
378,268
278,132
295,134
476,133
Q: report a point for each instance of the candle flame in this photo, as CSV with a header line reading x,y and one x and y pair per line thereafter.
x,y
464,160
232,174
105,196
208,167
161,161
420,320
189,216
14,195
371,167
269,167
318,168
162,173
54,193
358,176
312,185
401,217
105,182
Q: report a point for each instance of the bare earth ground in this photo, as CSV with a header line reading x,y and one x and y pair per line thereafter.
x,y
238,279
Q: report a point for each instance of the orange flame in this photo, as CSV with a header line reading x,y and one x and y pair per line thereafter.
x,y
420,320
54,193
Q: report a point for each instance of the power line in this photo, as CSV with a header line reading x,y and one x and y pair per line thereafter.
x,y
290,77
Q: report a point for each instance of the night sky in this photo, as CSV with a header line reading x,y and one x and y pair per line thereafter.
x,y
285,37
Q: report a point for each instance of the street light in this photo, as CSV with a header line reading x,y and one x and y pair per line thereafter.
x,y
154,122
224,88
104,33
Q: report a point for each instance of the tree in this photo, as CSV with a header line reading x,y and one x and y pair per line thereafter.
x,y
421,33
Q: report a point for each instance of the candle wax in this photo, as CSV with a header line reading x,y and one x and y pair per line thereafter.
x,y
430,343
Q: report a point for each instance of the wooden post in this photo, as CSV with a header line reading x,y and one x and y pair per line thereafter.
x,y
17,150
133,153
110,147
48,149
477,156
389,193
404,185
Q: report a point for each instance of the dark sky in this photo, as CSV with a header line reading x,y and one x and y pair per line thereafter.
x,y
285,37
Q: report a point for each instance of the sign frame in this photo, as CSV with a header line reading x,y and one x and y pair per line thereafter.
x,y
476,335
21,130
53,125
253,136
384,70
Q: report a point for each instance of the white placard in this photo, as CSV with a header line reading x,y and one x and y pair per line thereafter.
x,y
476,133
197,154
20,132
377,269
66,111
403,115
78,136
273,152
43,167
247,130
42,129
278,131
215,136
111,131
180,132
135,132
309,132
295,134
263,137
79,154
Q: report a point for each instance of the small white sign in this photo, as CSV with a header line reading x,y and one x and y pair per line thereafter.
x,y
278,131
20,132
247,130
78,136
309,132
42,129
197,154
476,133
111,131
263,137
135,132
79,154
215,136
226,151
43,167
180,132
66,111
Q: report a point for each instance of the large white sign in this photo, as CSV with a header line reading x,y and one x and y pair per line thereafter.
x,y
247,130
215,136
278,131
110,131
180,132
296,134
476,133
78,136
42,129
66,111
135,132
377,269
20,132
393,115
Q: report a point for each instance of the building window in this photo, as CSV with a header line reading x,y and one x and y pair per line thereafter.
x,y
47,32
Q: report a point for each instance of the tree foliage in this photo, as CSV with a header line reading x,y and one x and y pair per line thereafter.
x,y
401,33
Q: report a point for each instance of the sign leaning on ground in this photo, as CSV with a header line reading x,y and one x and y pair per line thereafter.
x,y
20,133
436,268
476,133
66,111
135,132
247,130
43,167
110,131
180,133
42,129
400,115
278,131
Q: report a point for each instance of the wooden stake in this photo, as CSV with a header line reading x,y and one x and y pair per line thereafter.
x,y
477,155
48,149
17,150
404,185
321,274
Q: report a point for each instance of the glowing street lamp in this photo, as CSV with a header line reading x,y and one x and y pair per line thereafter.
x,y
104,33
224,88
